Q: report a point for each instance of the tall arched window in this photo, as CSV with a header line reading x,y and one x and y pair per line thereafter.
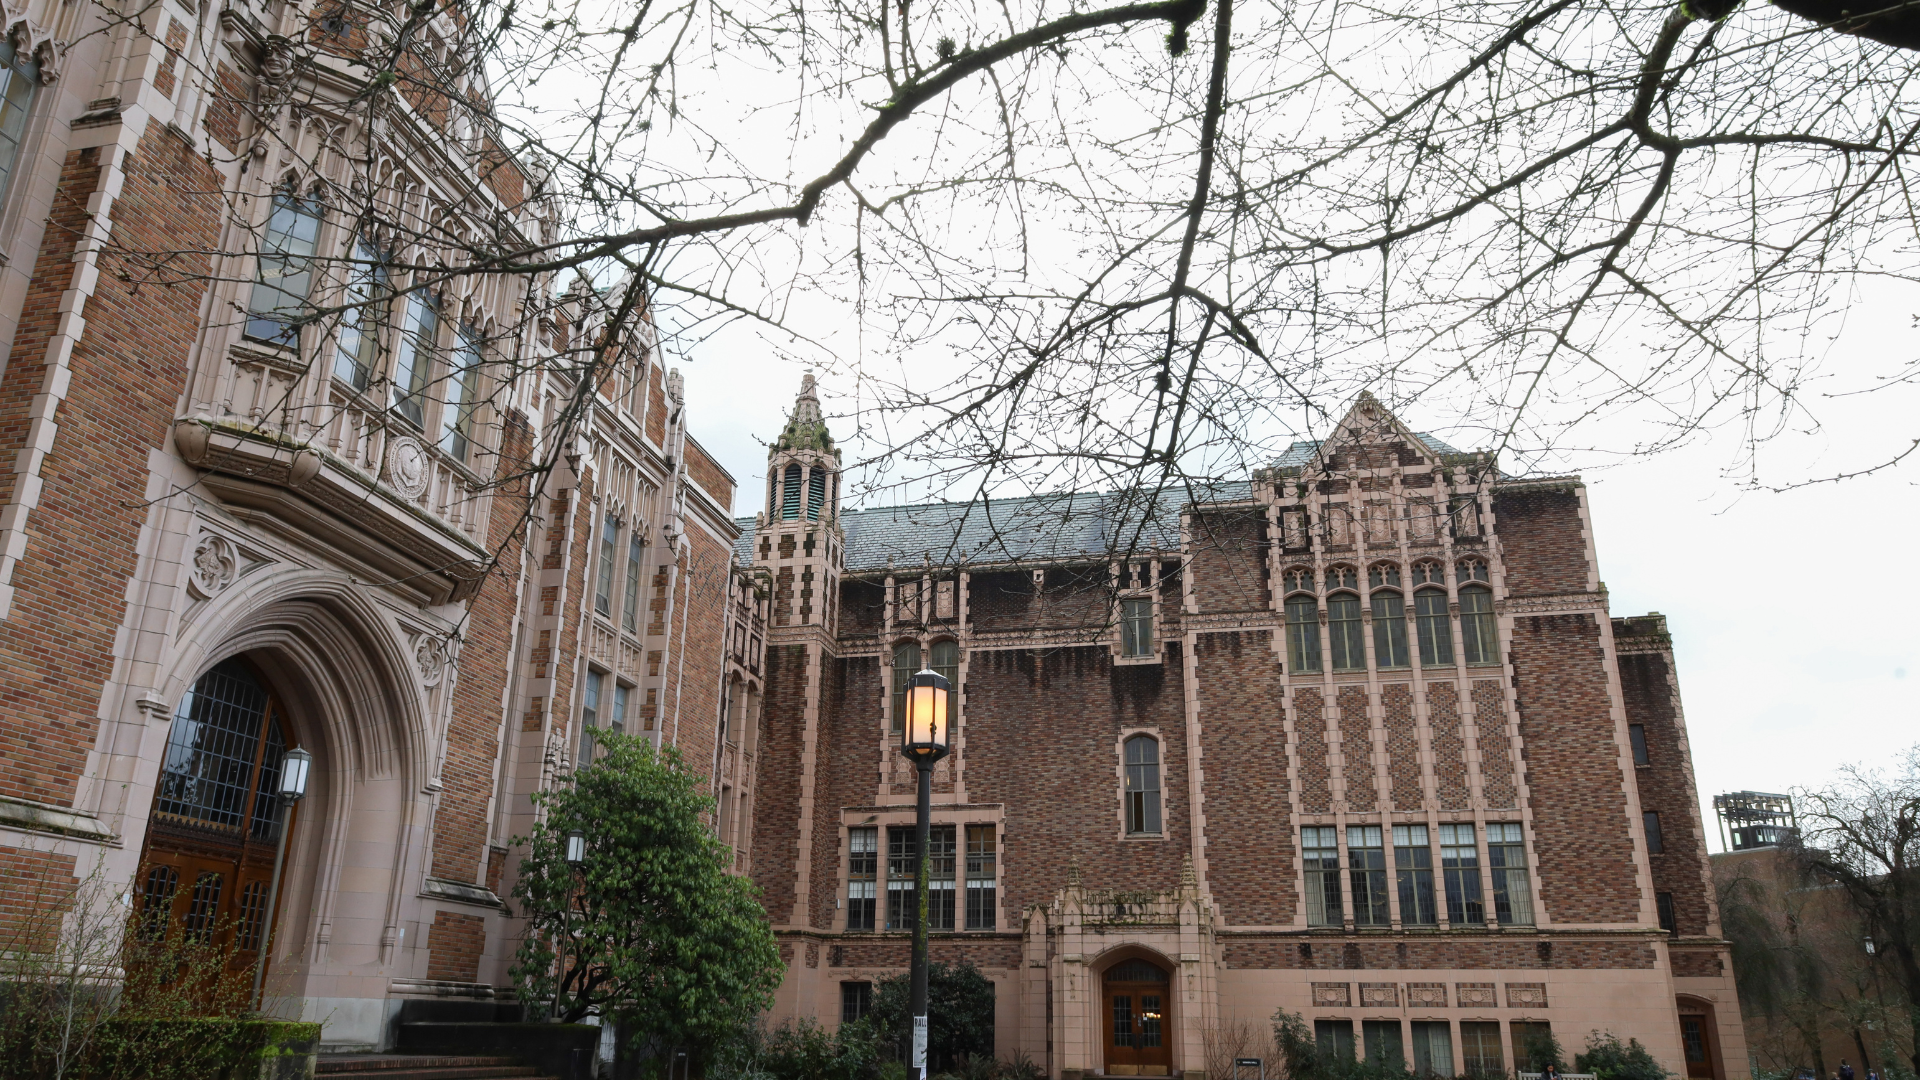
x,y
816,494
1436,636
1143,786
790,494
1389,628
1478,638
1344,633
1303,633
945,660
906,661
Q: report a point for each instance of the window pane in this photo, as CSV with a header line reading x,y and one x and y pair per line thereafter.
x,y
1320,857
1383,1044
1344,633
1389,629
1367,867
1477,634
1432,1048
940,868
284,269
1637,735
1656,844
1663,904
603,585
412,352
1136,626
1413,871
1334,1038
1507,856
862,869
1303,634
945,656
1480,1047
1460,863
211,749
856,1001
901,869
630,611
463,382
357,348
1533,1047
981,883
1436,630
21,77
906,662
1143,785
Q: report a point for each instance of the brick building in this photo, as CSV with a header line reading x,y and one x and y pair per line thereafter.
x,y
1356,737
225,534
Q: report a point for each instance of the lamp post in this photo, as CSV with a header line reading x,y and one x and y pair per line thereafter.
x,y
575,855
923,739
294,767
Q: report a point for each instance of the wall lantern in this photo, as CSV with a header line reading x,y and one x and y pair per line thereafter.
x,y
293,774
576,848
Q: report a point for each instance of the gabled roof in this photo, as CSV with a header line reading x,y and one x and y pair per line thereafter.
x,y
1032,529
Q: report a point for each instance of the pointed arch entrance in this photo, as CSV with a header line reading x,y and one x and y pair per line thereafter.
x,y
1137,1000
207,861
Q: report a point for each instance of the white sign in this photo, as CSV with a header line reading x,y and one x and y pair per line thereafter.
x,y
920,1047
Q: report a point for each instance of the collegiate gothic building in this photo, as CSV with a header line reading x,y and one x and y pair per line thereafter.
x,y
1356,738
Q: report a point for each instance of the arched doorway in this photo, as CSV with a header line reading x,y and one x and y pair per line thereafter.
x,y
1700,1040
1136,995
207,863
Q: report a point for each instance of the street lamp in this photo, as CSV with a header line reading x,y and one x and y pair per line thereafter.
x,y
295,766
576,853
576,848
924,737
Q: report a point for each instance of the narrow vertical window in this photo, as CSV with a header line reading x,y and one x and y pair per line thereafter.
x,y
1507,856
1413,867
1663,906
1533,1045
790,494
1432,1048
618,721
1637,735
1367,867
1389,629
1320,857
1143,786
284,271
1303,634
356,352
1436,631
863,856
906,661
940,868
1344,633
1334,1039
944,659
630,608
1384,1048
1480,1047
463,384
1136,626
901,867
856,1001
1460,866
589,715
982,885
1656,844
603,585
413,354
1477,635
19,78
816,494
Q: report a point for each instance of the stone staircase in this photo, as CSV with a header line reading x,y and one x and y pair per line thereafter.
x,y
422,1067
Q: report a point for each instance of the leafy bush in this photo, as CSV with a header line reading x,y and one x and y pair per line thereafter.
x,y
1537,1050
800,1051
1304,1059
1608,1059
959,1014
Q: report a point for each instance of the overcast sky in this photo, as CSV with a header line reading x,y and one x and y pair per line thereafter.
x,y
1794,655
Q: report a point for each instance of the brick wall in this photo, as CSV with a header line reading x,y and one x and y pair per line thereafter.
x,y
35,886
1403,747
126,374
706,472
1579,806
1043,737
486,656
1496,753
851,737
1228,559
1000,601
1249,845
1651,694
1543,540
697,668
1443,954
1310,727
863,605
1356,750
656,406
1449,746
776,800
896,951
454,945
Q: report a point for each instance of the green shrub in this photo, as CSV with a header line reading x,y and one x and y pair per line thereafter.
x,y
801,1050
1609,1059
959,1014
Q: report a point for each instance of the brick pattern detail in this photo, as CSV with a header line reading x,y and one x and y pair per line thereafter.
x,y
1403,746
1443,954
1356,750
656,406
1449,747
226,105
1543,541
896,951
454,945
1338,995
1427,995
460,824
1579,806
1380,995
1310,726
496,867
1696,965
1526,995
34,887
71,581
1075,702
1651,693
851,736
776,838
1496,756
1229,560
706,472
1250,848
1475,995
167,78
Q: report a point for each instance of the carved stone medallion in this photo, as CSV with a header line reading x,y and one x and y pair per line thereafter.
x,y
407,466
430,658
215,564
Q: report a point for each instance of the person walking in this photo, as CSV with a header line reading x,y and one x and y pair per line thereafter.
x,y
1846,1070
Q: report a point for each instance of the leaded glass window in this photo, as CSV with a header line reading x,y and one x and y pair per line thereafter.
x,y
1436,630
1345,633
19,79
357,350
1478,637
284,270
1303,634
1143,785
413,354
906,662
463,384
216,756
1413,871
1320,857
1367,866
1389,629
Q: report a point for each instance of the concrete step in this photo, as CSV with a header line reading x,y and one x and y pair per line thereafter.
x,y
422,1067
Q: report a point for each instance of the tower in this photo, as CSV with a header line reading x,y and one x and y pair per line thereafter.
x,y
798,534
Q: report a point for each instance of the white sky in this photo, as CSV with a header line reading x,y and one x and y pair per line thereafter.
x,y
1795,654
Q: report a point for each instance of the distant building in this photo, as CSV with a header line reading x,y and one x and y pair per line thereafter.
x,y
1355,737
1754,819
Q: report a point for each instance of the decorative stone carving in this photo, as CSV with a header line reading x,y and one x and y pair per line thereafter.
x,y
1427,995
430,658
1384,995
1526,995
1474,995
277,65
305,466
408,466
1333,994
215,564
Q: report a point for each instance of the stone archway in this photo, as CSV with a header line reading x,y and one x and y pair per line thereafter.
x,y
1137,1018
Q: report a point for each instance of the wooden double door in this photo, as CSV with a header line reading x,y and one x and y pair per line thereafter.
x,y
200,904
1137,995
